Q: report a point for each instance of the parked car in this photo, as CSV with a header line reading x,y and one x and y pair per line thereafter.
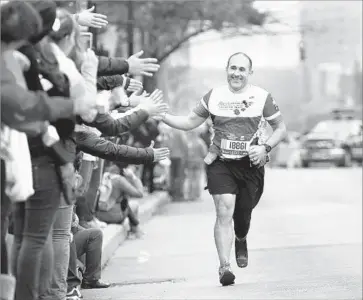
x,y
333,141
355,144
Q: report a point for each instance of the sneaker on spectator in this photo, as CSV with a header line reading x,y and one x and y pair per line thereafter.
x,y
74,294
100,223
78,288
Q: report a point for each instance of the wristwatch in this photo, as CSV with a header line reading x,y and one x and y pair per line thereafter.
x,y
267,147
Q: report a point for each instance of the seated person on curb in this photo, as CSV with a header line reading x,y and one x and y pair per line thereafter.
x,y
87,242
114,192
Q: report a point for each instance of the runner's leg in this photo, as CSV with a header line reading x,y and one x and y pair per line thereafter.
x,y
223,188
223,228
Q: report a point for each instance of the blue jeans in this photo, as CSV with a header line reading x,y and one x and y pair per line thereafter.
x,y
5,210
55,287
87,203
88,242
33,221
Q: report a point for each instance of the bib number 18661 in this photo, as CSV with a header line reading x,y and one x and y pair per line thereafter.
x,y
235,148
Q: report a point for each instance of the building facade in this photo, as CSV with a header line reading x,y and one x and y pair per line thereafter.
x,y
332,38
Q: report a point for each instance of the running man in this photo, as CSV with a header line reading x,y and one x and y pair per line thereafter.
x,y
236,175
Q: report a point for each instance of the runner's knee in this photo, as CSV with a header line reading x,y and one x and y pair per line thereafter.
x,y
224,207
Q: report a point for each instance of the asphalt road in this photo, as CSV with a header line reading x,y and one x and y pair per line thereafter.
x,y
305,242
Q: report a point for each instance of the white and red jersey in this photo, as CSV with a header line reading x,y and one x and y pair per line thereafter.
x,y
237,117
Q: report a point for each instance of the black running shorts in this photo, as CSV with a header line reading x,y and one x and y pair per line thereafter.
x,y
236,177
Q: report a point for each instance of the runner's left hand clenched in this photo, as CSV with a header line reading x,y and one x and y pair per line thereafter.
x,y
257,154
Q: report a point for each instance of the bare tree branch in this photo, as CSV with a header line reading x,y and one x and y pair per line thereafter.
x,y
180,43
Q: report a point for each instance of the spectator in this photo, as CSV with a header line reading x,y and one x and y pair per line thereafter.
x,y
91,143
34,219
178,145
144,135
81,85
88,243
197,150
116,188
13,35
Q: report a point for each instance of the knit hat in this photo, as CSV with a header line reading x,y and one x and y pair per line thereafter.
x,y
19,21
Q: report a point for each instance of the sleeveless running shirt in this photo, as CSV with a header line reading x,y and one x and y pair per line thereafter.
x,y
237,117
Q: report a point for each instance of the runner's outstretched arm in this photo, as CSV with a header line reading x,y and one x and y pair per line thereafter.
x,y
185,123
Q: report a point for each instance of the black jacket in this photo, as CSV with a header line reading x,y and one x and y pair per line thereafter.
x,y
111,127
108,66
89,142
109,82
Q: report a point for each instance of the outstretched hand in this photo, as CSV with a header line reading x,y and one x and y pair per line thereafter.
x,y
90,19
142,66
134,85
154,104
159,153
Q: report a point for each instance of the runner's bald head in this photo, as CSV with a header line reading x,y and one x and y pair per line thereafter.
x,y
240,53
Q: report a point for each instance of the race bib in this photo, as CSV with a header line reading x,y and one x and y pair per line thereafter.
x,y
235,149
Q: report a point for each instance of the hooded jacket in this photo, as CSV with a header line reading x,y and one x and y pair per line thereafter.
x,y
47,11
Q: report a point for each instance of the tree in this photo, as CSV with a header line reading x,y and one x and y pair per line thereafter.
x,y
166,25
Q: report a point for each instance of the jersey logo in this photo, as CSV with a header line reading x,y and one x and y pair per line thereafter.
x,y
246,104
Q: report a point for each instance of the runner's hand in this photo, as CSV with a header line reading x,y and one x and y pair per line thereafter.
x,y
257,154
160,153
264,161
142,66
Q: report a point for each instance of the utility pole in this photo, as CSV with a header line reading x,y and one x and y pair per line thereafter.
x,y
304,66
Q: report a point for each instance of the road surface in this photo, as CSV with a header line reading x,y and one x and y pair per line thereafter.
x,y
305,242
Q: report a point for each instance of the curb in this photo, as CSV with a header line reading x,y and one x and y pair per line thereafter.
x,y
114,235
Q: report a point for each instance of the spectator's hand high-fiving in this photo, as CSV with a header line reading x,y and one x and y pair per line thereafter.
x,y
142,66
160,153
154,104
134,85
90,19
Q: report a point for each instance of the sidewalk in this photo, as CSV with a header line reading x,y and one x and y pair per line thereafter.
x,y
114,235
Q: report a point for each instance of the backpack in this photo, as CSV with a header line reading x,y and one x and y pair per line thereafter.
x,y
105,203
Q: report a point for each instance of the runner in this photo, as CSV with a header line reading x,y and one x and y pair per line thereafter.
x,y
237,110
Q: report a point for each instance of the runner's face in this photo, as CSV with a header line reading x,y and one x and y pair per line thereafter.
x,y
238,72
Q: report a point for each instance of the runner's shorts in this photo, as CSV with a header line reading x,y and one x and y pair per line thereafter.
x,y
237,177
